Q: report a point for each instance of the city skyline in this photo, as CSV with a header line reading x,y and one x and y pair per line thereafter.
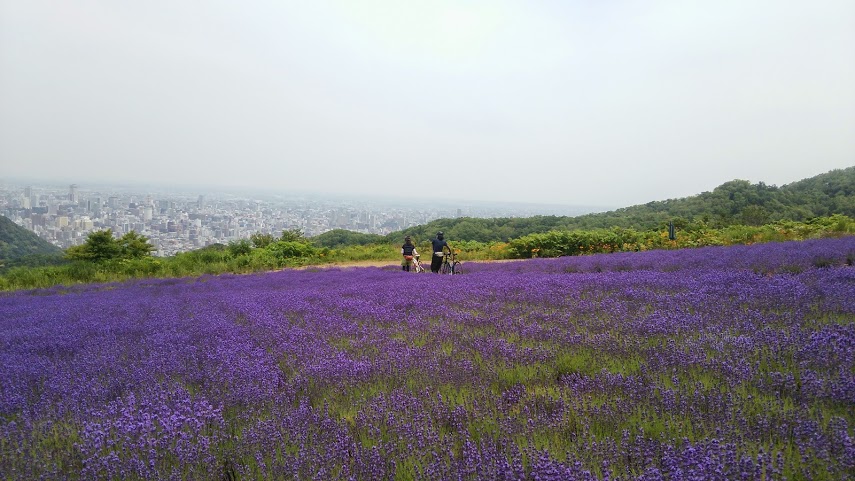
x,y
178,221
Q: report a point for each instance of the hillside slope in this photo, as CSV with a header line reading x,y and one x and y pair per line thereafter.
x,y
17,243
734,202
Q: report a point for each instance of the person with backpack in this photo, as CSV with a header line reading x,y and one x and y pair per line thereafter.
x,y
408,250
438,244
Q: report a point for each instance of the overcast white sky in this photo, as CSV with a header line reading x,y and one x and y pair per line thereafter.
x,y
555,101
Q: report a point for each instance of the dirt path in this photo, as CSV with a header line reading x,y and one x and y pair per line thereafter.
x,y
426,265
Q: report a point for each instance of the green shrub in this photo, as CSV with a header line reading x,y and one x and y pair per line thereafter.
x,y
240,248
290,249
263,259
260,240
82,272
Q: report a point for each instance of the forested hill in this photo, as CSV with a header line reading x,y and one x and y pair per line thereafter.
x,y
17,242
740,202
734,202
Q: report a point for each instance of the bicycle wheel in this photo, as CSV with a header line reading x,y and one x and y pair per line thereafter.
x,y
445,268
455,268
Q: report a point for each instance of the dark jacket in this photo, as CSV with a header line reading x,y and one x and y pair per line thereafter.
x,y
438,245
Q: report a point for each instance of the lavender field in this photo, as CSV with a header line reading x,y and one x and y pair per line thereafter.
x,y
712,363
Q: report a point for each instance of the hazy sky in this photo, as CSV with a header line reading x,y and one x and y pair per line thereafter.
x,y
590,102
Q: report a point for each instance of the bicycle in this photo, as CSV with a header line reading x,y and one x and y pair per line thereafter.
x,y
418,269
450,264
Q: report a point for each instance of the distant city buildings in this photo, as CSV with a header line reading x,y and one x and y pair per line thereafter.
x,y
177,221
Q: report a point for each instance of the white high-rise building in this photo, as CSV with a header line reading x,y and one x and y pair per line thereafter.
x,y
84,223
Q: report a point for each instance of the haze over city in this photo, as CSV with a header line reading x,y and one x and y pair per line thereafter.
x,y
178,220
577,103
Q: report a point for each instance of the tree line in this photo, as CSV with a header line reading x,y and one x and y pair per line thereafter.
x,y
737,202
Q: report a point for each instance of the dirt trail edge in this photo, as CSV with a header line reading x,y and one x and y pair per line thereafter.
x,y
382,264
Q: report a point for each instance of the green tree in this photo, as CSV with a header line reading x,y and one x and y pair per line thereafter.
x,y
99,246
754,215
135,246
291,249
292,235
260,240
240,247
341,237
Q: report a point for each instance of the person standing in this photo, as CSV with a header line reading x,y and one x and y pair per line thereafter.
x,y
438,244
408,250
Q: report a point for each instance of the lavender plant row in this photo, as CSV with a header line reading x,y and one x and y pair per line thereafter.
x,y
714,363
